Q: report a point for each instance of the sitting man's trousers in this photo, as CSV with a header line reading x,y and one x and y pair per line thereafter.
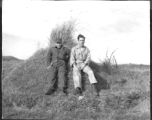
x,y
77,75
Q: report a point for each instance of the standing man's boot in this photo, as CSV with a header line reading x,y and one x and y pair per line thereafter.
x,y
49,92
94,88
63,92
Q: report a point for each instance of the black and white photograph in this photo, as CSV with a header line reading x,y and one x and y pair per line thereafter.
x,y
75,60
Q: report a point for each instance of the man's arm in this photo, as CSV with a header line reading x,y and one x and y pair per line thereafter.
x,y
72,58
49,57
88,57
67,55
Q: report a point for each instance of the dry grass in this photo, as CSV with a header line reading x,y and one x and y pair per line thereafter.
x,y
109,64
8,66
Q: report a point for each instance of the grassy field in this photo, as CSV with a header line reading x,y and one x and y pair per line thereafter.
x,y
124,93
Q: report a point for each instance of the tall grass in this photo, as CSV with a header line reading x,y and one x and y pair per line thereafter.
x,y
109,64
65,31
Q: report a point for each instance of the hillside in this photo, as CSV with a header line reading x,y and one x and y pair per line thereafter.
x,y
8,64
124,94
10,58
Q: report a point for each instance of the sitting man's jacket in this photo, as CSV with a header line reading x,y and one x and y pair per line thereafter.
x,y
80,56
58,56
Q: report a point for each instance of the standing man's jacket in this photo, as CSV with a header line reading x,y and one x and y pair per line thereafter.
x,y
58,56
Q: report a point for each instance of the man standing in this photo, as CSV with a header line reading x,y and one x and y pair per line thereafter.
x,y
57,61
79,60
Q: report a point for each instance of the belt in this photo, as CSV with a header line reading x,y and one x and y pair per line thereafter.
x,y
79,62
57,60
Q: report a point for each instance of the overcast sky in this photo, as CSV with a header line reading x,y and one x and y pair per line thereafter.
x,y
107,25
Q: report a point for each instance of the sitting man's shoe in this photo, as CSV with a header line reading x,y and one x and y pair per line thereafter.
x,y
80,97
94,88
78,91
75,92
49,92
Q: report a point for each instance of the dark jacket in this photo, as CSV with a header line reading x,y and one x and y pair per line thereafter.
x,y
58,56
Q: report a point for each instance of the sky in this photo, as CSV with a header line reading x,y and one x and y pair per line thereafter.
x,y
123,26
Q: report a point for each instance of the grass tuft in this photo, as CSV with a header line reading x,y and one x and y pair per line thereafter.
x,y
65,31
109,65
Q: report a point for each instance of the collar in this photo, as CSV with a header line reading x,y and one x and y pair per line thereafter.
x,y
59,48
77,47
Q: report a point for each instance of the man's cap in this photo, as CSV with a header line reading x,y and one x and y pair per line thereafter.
x,y
59,40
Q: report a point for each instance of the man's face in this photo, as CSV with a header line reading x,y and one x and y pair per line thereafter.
x,y
81,41
58,45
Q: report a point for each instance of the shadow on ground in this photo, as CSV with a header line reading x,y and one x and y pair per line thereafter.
x,y
102,83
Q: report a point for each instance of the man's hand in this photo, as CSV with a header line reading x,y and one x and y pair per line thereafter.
x,y
75,67
85,64
49,66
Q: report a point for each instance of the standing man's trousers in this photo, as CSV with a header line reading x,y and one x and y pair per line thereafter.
x,y
58,75
77,75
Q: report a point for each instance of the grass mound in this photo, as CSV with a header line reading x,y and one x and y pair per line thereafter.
x,y
30,76
24,87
